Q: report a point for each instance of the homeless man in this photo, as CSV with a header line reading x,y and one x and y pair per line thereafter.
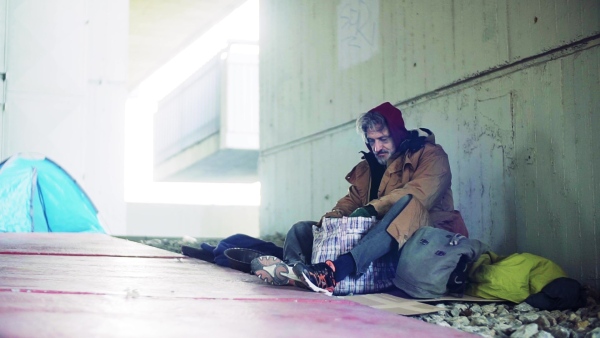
x,y
404,172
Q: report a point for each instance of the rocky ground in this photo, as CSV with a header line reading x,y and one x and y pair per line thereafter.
x,y
519,321
483,319
174,243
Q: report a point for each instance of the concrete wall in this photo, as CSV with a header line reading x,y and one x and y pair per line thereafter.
x,y
508,87
207,221
66,64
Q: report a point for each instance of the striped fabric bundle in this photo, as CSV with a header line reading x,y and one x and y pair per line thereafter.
x,y
337,236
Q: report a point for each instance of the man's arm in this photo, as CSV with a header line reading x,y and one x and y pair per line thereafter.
x,y
429,182
347,204
357,193
341,208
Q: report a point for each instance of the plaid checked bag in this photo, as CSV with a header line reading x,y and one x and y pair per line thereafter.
x,y
337,236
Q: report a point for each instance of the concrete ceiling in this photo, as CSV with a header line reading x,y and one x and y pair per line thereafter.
x,y
159,29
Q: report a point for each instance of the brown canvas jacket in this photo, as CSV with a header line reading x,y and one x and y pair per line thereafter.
x,y
425,174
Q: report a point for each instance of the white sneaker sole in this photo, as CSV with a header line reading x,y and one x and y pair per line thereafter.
x,y
272,270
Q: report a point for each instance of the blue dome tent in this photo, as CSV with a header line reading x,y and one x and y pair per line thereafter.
x,y
37,195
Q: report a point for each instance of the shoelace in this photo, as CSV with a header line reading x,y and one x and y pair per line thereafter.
x,y
324,275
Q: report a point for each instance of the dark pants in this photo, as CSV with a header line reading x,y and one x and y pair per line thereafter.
x,y
375,244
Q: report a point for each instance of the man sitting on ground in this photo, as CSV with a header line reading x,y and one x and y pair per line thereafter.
x,y
404,167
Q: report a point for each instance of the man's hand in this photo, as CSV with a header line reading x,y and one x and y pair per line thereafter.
x,y
332,214
366,211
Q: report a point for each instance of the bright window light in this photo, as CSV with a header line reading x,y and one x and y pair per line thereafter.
x,y
240,25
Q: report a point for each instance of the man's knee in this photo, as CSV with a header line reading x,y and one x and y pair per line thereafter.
x,y
301,228
402,203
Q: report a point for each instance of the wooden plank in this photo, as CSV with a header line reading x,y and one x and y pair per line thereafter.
x,y
43,315
76,244
175,277
95,295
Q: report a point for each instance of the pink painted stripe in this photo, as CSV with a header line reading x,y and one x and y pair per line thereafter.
x,y
83,255
283,300
244,299
54,292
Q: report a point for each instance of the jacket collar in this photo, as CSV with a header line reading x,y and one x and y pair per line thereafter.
x,y
416,140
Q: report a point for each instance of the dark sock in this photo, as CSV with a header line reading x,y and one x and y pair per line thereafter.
x,y
344,266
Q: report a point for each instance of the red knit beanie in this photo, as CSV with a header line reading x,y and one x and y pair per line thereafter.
x,y
393,117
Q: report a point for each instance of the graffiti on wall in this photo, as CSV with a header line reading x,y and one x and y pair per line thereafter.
x,y
358,31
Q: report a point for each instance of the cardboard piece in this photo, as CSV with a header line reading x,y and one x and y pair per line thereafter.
x,y
407,306
465,298
397,305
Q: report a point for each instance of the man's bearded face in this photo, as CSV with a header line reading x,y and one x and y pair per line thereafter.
x,y
381,143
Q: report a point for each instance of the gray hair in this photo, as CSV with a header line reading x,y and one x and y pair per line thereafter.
x,y
371,120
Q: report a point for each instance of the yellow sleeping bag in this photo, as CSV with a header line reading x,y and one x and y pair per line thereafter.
x,y
512,278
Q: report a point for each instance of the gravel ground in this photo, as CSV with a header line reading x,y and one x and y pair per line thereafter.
x,y
519,320
487,320
174,243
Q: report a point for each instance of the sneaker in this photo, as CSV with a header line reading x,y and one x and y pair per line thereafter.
x,y
318,277
274,271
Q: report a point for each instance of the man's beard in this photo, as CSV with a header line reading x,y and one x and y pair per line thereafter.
x,y
382,161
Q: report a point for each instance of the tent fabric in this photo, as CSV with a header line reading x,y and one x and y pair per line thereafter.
x,y
14,200
37,195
